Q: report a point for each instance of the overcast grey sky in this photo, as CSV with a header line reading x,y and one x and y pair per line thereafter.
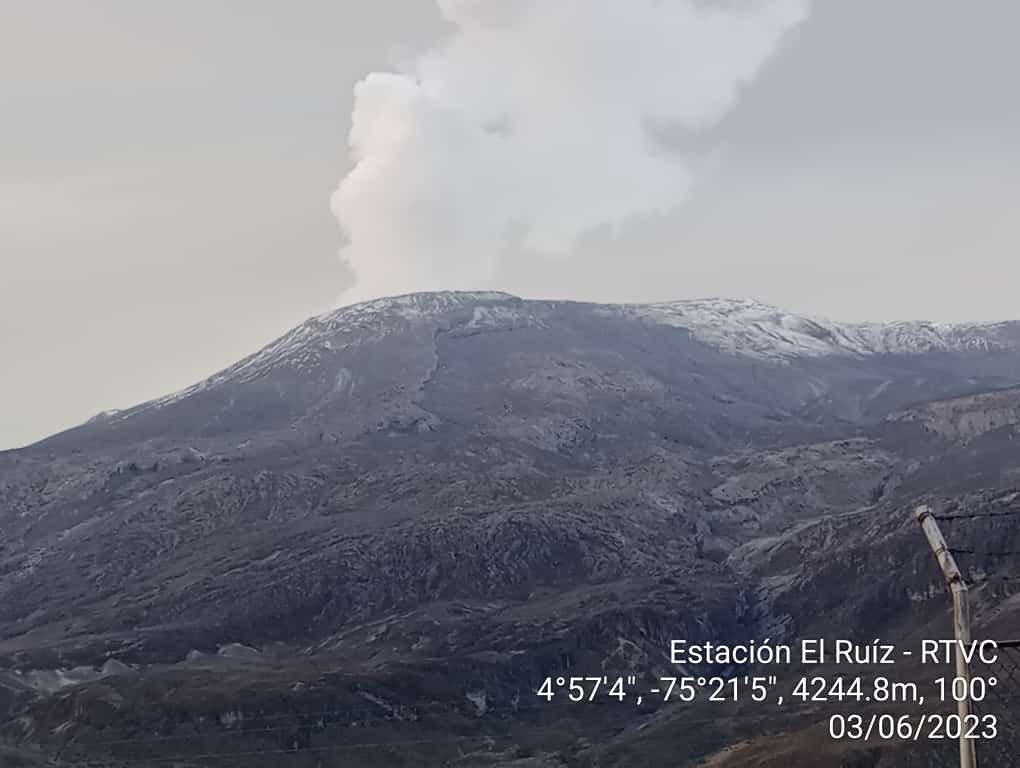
x,y
166,172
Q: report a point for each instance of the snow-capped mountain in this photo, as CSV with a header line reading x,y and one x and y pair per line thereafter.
x,y
736,326
377,365
746,327
471,487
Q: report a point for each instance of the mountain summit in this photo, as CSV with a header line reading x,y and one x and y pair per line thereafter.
x,y
330,370
422,506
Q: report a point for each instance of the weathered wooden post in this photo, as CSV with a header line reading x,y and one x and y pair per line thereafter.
x,y
961,624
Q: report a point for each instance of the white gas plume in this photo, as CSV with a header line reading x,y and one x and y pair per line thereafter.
x,y
534,123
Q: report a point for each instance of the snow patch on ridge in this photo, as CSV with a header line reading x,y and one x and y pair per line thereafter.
x,y
736,326
303,347
745,327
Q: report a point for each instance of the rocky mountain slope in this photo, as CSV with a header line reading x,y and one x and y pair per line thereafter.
x,y
388,526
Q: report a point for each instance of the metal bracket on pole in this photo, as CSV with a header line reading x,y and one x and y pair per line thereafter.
x,y
961,622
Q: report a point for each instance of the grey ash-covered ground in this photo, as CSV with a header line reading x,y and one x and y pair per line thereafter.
x,y
368,543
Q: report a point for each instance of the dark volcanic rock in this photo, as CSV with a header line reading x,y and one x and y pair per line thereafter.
x,y
421,507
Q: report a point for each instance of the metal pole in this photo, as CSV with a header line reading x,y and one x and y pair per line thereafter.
x,y
961,623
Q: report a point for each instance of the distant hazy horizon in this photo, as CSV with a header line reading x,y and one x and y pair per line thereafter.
x,y
168,170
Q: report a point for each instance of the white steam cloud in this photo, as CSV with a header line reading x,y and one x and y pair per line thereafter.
x,y
536,122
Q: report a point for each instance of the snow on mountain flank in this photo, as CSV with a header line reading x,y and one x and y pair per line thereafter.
x,y
103,416
736,326
746,327
338,329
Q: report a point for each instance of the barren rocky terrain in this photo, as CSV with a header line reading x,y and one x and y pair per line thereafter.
x,y
370,542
